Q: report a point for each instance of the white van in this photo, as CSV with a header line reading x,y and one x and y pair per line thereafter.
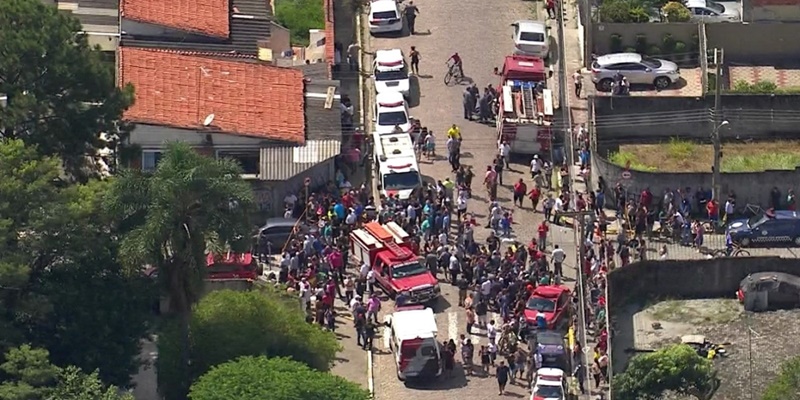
x,y
390,73
398,171
411,333
384,17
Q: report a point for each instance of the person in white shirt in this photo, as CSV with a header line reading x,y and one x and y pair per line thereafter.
x,y
351,218
288,213
558,259
536,166
290,200
505,152
486,290
443,238
371,281
730,206
491,332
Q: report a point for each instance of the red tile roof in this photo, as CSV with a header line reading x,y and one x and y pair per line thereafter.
x,y
180,89
210,17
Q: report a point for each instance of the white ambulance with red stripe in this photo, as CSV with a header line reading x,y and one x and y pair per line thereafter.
x,y
412,339
390,73
396,165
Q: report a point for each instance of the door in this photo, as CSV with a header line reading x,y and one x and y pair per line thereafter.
x,y
636,73
382,274
278,236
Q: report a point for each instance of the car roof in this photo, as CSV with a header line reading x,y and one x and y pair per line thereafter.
x,y
549,291
695,3
389,54
527,25
279,222
389,98
383,5
549,377
413,324
784,214
617,58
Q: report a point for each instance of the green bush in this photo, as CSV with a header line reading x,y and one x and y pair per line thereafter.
x,y
676,12
265,378
654,51
226,325
668,44
623,11
630,49
299,16
625,159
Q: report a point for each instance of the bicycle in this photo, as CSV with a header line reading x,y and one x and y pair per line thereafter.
x,y
737,251
453,72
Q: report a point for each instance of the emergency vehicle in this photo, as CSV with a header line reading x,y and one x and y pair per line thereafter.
x,y
389,251
411,336
390,73
398,171
525,106
550,385
391,114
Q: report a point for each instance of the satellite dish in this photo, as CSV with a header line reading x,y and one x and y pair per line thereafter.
x,y
209,119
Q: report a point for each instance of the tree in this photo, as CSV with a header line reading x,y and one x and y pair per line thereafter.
x,y
787,385
60,94
299,16
675,368
623,11
272,379
226,325
33,377
675,11
172,216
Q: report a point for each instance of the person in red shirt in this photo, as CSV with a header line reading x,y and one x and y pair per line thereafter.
x,y
534,195
543,229
646,199
551,9
713,209
519,192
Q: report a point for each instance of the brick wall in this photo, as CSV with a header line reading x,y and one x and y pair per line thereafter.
x,y
330,40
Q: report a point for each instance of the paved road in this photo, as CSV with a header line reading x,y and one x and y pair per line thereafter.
x,y
479,31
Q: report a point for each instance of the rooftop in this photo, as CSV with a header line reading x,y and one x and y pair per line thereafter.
x,y
209,17
180,89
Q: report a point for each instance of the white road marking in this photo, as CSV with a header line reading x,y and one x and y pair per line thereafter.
x,y
452,325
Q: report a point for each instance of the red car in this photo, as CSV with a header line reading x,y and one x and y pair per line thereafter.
x,y
552,301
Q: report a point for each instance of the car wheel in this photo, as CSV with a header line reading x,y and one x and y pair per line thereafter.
x,y
662,82
797,241
605,85
745,242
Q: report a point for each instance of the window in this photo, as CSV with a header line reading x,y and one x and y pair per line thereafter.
x,y
249,160
537,37
150,159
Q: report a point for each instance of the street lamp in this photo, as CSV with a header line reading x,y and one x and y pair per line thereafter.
x,y
715,177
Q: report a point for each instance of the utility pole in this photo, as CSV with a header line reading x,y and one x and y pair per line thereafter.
x,y
563,94
718,122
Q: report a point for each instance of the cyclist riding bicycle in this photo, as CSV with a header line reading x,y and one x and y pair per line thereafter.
x,y
456,59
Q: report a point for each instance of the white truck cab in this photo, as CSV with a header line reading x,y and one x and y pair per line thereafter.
x,y
411,335
390,73
391,114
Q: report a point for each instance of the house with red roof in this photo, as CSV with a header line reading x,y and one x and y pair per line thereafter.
x,y
210,80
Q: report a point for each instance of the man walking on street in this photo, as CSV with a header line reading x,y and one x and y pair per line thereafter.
x,y
411,15
469,102
577,78
558,260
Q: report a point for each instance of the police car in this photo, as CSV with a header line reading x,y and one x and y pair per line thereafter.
x,y
391,114
550,385
397,169
772,227
384,17
389,72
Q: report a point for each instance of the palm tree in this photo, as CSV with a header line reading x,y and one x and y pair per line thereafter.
x,y
172,216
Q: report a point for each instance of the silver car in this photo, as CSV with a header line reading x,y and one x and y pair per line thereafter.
x,y
638,69
712,11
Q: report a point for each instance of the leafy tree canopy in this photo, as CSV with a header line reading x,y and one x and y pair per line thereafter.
x,y
787,385
59,94
676,368
299,16
227,324
33,377
62,288
272,379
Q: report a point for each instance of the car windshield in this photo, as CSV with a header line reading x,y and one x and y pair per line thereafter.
x,y
531,37
540,304
401,180
408,270
651,62
392,118
384,15
548,392
550,340
716,7
391,75
757,220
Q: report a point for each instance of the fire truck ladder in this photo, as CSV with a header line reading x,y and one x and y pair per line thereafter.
x,y
387,239
528,99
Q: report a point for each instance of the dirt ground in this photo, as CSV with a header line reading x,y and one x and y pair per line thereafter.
x,y
769,338
688,157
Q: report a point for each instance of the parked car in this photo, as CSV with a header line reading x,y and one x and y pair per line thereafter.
x,y
773,227
389,72
552,301
385,17
638,69
551,345
550,385
277,231
768,290
391,112
712,11
530,38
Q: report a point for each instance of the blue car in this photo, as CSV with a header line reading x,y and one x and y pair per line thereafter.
x,y
772,227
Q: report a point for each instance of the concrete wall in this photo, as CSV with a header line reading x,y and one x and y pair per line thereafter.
x,y
601,34
269,195
758,43
771,10
691,279
651,112
750,187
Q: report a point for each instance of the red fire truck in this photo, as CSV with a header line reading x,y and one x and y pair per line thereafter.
x,y
525,106
232,266
389,252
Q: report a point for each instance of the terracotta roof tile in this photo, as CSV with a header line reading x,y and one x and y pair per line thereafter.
x,y
210,17
180,89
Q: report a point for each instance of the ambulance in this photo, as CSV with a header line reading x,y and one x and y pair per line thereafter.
x,y
397,168
411,336
389,72
391,114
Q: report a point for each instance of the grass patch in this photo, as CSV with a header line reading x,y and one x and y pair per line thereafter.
x,y
718,311
679,155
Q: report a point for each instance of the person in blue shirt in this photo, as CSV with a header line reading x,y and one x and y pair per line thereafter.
x,y
541,321
339,210
728,244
